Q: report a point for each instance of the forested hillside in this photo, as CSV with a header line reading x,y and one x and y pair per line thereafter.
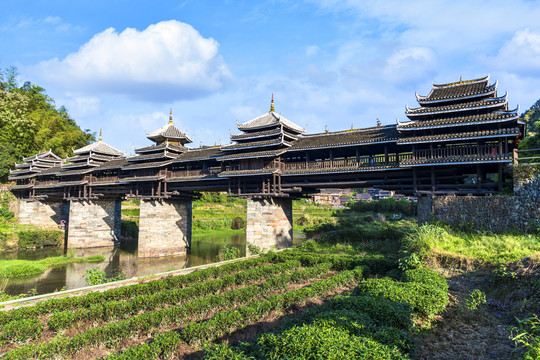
x,y
30,122
532,117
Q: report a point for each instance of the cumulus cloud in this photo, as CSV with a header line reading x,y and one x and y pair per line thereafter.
x,y
410,63
167,61
520,54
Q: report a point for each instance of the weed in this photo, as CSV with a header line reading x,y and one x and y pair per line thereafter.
x,y
95,276
475,299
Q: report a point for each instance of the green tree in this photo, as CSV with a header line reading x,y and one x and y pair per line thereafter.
x,y
532,118
30,123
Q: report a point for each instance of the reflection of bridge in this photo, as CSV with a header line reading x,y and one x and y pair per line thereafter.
x,y
457,142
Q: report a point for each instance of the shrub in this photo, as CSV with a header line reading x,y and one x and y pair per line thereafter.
x,y
527,334
227,252
238,223
322,342
95,276
39,238
475,299
425,276
6,214
22,330
421,239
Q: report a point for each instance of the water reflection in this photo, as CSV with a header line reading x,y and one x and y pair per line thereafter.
x,y
204,250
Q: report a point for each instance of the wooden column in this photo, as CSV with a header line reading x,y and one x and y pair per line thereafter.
x,y
432,180
415,187
386,154
500,178
478,177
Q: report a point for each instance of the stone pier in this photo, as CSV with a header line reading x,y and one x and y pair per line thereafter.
x,y
45,214
425,209
94,223
269,223
164,227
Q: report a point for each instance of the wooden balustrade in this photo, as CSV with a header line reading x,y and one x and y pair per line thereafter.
x,y
458,151
104,179
194,172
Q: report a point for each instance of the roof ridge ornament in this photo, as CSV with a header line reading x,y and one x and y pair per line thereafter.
x,y
170,117
100,136
272,104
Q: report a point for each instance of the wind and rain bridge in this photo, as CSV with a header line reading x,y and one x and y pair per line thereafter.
x,y
457,141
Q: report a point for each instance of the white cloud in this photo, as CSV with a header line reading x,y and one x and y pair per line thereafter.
x,y
166,61
410,63
521,54
312,50
80,106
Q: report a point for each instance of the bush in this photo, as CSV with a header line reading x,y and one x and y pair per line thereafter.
x,y
6,214
39,238
475,299
421,239
95,276
22,330
238,223
425,276
227,253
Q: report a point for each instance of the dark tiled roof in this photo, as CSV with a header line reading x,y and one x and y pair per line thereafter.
x,y
347,138
169,131
167,146
491,103
199,154
458,90
253,144
457,136
497,116
256,134
161,155
44,155
268,120
98,147
254,154
146,165
456,159
247,172
113,164
74,172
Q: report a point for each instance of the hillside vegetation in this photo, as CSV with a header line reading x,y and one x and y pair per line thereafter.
x,y
30,122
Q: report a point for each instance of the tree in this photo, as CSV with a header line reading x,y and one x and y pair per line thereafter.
x,y
30,123
532,118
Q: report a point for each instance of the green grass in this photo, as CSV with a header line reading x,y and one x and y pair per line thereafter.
x,y
486,247
21,268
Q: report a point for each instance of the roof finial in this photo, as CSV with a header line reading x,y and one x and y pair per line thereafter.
x,y
100,136
378,122
170,117
352,126
272,104
326,129
461,78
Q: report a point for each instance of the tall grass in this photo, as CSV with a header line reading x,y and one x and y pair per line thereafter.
x,y
21,268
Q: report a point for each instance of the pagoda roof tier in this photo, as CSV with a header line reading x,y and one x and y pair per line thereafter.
x,y
113,164
199,154
49,155
484,134
22,171
98,147
255,144
256,134
493,117
165,146
491,103
153,156
23,165
61,184
379,134
233,173
169,132
254,154
74,172
461,90
452,160
90,156
270,120
82,162
22,177
146,165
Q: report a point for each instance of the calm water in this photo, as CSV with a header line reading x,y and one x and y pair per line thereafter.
x,y
204,249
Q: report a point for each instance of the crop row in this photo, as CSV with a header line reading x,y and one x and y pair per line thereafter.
x,y
178,315
227,322
374,321
122,293
119,309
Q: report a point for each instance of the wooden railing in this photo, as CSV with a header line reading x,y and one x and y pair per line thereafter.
x,y
457,151
194,172
527,157
105,179
47,182
377,160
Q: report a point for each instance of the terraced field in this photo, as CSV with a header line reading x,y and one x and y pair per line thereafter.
x,y
278,305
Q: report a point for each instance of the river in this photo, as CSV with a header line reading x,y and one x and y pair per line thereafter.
x,y
204,250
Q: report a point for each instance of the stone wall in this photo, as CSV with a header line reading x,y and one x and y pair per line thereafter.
x,y
493,213
164,227
269,223
94,223
40,213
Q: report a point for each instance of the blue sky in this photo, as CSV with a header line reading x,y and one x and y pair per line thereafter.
x,y
120,65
